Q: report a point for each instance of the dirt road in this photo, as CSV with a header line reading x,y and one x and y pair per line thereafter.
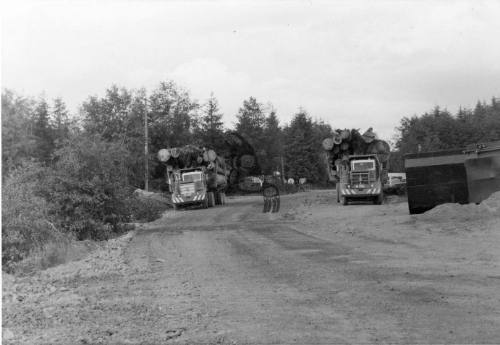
x,y
316,273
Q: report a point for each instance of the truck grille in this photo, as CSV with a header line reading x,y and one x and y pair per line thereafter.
x,y
358,178
187,189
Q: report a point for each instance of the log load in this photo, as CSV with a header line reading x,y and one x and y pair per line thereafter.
x,y
182,157
345,143
241,159
190,156
237,161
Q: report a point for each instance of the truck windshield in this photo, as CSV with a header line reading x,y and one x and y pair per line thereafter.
x,y
363,165
191,177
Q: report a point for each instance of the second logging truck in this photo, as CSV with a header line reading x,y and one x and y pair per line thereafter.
x,y
361,177
357,163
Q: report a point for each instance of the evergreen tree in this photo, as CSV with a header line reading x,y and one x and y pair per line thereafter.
x,y
250,125
251,121
273,144
212,127
135,139
440,130
18,143
301,149
43,132
60,122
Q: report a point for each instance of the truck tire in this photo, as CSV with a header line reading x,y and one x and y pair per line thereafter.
x,y
211,199
379,199
276,204
344,200
273,205
267,205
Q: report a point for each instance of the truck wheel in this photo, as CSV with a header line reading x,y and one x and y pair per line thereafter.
x,y
344,200
276,204
379,199
267,205
176,207
211,199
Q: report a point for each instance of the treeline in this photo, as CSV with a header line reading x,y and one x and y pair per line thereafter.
x,y
35,129
441,130
74,174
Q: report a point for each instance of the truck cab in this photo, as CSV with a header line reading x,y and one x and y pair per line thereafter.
x,y
361,178
189,186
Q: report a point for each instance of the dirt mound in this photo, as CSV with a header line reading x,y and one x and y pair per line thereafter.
x,y
489,208
492,204
106,260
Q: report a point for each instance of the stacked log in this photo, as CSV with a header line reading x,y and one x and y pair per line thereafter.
x,y
181,157
238,160
345,143
190,156
241,159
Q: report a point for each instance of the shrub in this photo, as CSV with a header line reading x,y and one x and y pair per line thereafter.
x,y
26,220
85,193
88,187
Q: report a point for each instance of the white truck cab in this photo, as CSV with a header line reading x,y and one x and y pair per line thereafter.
x,y
189,187
361,179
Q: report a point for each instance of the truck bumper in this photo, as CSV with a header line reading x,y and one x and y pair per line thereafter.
x,y
360,192
188,199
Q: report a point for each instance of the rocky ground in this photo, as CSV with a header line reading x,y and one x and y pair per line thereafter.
x,y
316,272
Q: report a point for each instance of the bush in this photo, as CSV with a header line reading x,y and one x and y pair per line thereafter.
x,y
26,221
85,194
89,187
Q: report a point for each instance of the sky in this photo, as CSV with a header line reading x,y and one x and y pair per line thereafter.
x,y
353,64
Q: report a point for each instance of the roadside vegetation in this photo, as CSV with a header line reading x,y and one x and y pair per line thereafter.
x,y
69,177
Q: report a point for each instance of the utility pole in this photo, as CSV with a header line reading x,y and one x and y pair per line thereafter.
x,y
146,146
282,168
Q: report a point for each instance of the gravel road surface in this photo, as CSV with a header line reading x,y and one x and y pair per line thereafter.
x,y
315,273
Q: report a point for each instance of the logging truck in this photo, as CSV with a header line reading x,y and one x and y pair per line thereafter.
x,y
189,186
198,185
361,177
357,163
195,176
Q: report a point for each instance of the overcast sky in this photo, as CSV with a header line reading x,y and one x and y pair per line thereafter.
x,y
352,64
